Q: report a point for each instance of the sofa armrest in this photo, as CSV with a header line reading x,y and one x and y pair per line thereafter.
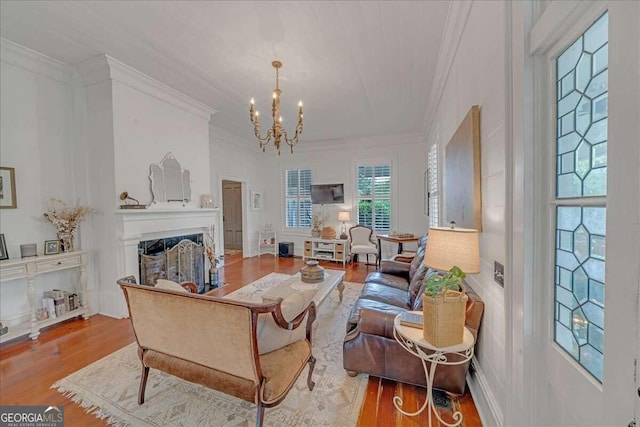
x,y
396,268
373,322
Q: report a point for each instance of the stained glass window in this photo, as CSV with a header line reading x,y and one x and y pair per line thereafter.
x,y
581,174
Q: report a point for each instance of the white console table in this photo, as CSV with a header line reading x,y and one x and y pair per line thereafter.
x,y
28,268
328,250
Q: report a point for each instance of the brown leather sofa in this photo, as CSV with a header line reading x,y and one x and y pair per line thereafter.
x,y
369,346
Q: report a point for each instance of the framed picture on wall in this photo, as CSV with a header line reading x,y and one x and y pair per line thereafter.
x,y
257,201
8,188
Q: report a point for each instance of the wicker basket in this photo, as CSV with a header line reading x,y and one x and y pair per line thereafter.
x,y
444,317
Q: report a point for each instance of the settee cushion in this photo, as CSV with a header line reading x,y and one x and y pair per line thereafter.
x,y
277,368
386,294
270,336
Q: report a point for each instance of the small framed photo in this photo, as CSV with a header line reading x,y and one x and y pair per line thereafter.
x,y
256,200
8,188
51,247
3,248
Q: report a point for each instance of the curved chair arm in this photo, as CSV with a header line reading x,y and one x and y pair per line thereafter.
x,y
282,323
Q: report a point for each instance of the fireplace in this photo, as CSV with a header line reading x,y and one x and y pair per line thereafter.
x,y
144,225
177,258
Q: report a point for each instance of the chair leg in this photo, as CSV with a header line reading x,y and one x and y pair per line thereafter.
x,y
143,384
352,373
260,415
312,365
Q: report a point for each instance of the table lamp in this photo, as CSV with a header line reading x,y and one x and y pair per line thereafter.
x,y
449,247
344,216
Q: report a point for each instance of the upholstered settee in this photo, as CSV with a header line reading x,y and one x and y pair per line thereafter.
x,y
369,345
225,357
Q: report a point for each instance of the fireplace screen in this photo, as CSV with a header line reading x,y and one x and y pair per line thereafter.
x,y
180,259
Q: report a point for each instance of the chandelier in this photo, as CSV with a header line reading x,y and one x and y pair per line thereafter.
x,y
276,133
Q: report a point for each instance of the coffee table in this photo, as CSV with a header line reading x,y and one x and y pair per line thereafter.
x,y
332,279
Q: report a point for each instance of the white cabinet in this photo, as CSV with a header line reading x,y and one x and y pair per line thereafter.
x,y
267,243
328,250
28,268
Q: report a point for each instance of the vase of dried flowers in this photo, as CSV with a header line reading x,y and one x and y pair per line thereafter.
x,y
66,219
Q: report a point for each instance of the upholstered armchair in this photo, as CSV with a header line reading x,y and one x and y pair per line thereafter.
x,y
361,243
220,350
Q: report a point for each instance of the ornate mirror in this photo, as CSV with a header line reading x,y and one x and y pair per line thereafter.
x,y
169,182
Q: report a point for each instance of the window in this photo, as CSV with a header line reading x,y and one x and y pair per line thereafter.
x,y
298,198
580,199
432,179
374,196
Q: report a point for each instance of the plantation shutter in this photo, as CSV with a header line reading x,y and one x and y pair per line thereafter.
x,y
298,198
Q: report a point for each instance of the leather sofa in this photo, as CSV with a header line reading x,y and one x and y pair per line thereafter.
x,y
369,345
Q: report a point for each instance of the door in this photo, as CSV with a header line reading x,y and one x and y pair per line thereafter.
x,y
232,214
588,230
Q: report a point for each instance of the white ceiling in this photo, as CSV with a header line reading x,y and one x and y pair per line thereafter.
x,y
361,68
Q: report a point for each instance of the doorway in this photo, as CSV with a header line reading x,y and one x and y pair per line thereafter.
x,y
232,217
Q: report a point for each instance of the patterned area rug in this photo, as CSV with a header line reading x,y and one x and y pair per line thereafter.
x,y
108,388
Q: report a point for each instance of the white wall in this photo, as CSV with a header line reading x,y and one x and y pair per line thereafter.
x,y
334,162
237,159
36,138
477,77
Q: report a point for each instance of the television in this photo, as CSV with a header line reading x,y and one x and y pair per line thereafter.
x,y
324,194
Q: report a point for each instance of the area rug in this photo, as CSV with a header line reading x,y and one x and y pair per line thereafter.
x,y
108,388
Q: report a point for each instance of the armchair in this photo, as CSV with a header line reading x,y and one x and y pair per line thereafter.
x,y
224,357
361,243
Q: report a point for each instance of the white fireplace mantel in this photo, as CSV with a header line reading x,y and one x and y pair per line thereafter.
x,y
135,226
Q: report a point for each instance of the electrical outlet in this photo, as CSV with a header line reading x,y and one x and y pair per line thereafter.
x,y
498,273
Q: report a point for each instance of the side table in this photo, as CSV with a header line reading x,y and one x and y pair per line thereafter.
x,y
412,340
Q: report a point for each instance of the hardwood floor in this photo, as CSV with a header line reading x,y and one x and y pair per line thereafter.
x,y
29,368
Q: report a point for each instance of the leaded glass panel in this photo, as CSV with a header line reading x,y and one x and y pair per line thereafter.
x,y
579,283
582,109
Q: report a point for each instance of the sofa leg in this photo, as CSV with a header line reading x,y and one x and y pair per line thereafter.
x,y
260,415
312,365
143,384
352,373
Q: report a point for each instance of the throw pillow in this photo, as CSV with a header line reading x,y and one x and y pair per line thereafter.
x,y
270,336
169,285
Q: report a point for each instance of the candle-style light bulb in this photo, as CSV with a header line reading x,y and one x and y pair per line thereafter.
x,y
299,104
275,95
257,113
280,119
253,101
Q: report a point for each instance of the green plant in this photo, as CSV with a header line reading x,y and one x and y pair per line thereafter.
x,y
437,283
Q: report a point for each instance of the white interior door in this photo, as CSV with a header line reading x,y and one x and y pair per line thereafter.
x,y
588,236
232,214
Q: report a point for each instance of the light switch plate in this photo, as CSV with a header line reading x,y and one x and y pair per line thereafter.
x,y
498,273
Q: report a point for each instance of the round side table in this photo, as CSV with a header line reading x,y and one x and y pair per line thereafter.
x,y
412,340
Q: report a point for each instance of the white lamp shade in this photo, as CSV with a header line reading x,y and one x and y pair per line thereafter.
x,y
344,216
448,247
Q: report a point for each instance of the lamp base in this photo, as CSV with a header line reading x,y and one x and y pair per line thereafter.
x,y
344,236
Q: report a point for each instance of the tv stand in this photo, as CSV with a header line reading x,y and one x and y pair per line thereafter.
x,y
326,250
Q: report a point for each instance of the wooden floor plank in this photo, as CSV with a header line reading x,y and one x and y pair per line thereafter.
x,y
28,368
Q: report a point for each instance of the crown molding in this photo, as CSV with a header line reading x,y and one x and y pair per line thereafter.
x,y
359,142
104,67
30,60
454,27
223,136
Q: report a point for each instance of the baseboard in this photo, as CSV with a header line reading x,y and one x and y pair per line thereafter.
x,y
485,401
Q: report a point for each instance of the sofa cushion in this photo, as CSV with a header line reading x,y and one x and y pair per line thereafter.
x,y
272,337
416,287
386,294
389,280
416,262
379,306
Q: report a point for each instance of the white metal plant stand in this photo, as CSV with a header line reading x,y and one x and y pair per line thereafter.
x,y
412,340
